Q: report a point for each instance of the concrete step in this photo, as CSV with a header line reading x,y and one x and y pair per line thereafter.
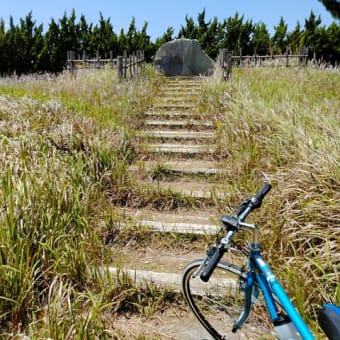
x,y
188,189
194,190
177,123
206,217
171,98
162,115
181,91
179,227
177,135
168,280
182,167
173,280
186,84
180,148
175,106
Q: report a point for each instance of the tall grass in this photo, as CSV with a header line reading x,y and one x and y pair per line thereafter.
x,y
283,125
65,142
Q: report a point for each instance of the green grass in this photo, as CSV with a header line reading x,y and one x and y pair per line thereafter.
x,y
66,144
283,126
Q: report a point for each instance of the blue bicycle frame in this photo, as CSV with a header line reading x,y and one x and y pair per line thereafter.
x,y
269,285
258,276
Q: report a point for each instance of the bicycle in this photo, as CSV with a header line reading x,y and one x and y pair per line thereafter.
x,y
218,290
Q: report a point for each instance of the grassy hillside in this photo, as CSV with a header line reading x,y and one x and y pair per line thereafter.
x,y
283,125
66,143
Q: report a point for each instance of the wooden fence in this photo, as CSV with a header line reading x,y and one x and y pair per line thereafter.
x,y
228,61
128,66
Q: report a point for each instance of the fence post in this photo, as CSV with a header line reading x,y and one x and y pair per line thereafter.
x,y
138,55
240,56
98,60
124,64
134,61
142,60
225,60
287,58
130,66
120,67
68,59
306,51
71,66
111,59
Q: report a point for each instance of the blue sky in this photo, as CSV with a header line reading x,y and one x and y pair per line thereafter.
x,y
162,14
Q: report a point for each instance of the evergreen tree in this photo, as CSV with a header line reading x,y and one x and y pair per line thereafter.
x,y
85,34
213,38
310,35
3,56
122,42
260,39
331,45
201,30
29,45
131,36
143,42
279,40
53,54
167,36
294,39
238,35
333,6
103,39
69,33
11,45
190,31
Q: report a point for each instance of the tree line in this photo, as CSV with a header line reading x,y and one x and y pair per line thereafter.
x,y
26,48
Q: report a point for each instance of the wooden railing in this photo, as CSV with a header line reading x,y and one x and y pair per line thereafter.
x,y
227,61
128,66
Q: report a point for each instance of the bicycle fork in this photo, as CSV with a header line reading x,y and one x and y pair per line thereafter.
x,y
248,287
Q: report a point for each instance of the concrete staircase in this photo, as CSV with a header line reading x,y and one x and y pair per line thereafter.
x,y
177,154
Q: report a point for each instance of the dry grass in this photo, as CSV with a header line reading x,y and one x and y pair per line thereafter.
x,y
66,143
283,126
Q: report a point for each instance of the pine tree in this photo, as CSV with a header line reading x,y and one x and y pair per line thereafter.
x,y
310,35
103,39
238,35
190,31
3,56
333,6
85,34
29,44
167,36
260,39
213,38
279,40
294,39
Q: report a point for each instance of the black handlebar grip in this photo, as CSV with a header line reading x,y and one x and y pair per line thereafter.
x,y
205,276
257,199
264,190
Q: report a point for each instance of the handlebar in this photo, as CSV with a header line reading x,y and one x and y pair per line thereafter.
x,y
254,202
232,225
205,275
219,251
257,199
